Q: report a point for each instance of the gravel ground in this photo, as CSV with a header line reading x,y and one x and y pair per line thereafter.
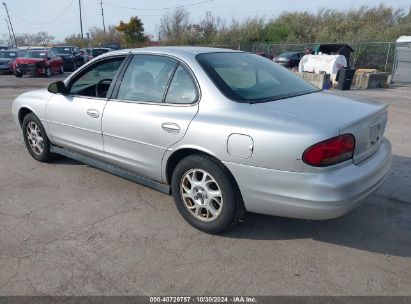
x,y
69,229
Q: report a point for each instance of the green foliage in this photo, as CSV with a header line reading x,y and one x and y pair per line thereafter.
x,y
132,31
379,23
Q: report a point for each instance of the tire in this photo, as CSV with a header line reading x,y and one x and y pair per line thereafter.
x,y
61,69
48,72
32,127
18,74
196,206
74,66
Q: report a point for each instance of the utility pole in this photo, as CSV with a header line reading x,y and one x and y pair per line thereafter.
x,y
81,20
8,27
102,15
11,25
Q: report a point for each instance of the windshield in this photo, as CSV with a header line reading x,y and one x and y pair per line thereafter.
x,y
63,50
32,54
6,54
251,78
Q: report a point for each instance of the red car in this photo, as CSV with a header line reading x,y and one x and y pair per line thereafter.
x,y
38,63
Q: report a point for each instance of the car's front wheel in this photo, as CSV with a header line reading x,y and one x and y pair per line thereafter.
x,y
206,195
61,69
35,138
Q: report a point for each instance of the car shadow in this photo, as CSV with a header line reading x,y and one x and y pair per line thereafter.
x,y
382,224
62,160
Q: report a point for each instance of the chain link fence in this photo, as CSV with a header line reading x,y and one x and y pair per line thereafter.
x,y
374,55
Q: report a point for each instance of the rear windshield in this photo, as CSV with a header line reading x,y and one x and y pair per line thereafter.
x,y
37,54
251,78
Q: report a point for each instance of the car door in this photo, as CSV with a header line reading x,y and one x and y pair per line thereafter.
x,y
74,119
149,112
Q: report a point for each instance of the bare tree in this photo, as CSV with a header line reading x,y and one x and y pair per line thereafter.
x,y
173,24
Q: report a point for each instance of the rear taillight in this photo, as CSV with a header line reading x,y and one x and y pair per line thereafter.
x,y
331,151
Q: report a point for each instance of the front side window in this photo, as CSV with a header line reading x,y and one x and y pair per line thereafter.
x,y
250,78
146,78
182,88
96,80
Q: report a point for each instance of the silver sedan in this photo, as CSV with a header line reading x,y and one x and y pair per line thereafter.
x,y
223,131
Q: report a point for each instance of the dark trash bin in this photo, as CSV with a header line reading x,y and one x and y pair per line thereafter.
x,y
344,78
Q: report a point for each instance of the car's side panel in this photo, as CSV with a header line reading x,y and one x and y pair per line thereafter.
x,y
136,135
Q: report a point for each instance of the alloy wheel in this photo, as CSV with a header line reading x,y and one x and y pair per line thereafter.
x,y
201,195
35,138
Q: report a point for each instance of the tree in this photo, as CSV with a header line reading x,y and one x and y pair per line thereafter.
x,y
39,39
132,31
173,24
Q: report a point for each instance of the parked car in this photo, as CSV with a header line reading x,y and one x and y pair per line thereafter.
x,y
7,58
94,52
72,58
265,55
38,63
289,59
263,140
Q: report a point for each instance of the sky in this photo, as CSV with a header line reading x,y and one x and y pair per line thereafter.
x,y
60,18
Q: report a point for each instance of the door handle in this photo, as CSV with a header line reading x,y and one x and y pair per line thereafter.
x,y
93,113
171,127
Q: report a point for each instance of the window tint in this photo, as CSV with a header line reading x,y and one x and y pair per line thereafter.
x,y
250,78
182,88
86,82
146,78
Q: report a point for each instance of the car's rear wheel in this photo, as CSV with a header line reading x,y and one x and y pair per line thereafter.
x,y
61,69
18,74
35,138
206,195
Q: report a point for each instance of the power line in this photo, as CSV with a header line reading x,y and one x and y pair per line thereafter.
x,y
157,9
44,23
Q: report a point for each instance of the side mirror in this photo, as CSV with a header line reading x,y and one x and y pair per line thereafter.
x,y
57,87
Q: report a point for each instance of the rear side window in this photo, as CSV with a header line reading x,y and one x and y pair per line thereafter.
x,y
182,88
250,78
146,78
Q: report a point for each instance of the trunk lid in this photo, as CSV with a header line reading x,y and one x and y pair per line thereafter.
x,y
365,120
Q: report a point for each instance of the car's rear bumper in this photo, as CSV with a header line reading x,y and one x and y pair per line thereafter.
x,y
311,195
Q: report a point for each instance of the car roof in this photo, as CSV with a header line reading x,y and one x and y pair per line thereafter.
x,y
178,51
